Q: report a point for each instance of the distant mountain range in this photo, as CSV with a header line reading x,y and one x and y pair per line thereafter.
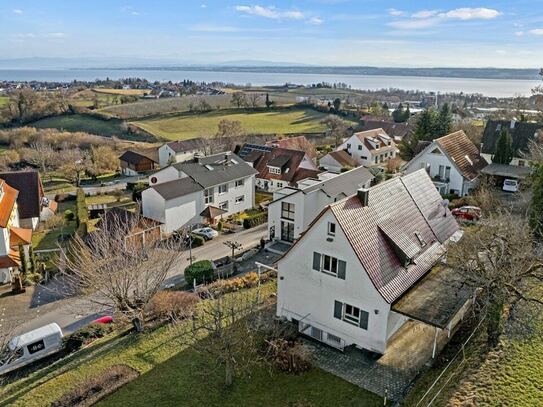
x,y
256,66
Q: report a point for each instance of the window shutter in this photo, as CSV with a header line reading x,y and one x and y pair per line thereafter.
x,y
341,269
364,319
338,309
316,261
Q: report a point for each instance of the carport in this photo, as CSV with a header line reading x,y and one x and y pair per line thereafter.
x,y
501,172
440,299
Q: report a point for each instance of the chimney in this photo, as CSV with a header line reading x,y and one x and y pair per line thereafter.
x,y
481,149
226,158
363,195
197,157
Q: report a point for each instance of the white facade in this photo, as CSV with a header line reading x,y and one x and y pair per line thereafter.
x,y
310,296
6,273
329,163
167,156
358,150
164,175
129,172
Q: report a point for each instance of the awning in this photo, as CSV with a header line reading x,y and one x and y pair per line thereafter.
x,y
435,299
508,171
211,212
19,236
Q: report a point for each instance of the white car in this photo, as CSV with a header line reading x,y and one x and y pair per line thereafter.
x,y
207,233
510,185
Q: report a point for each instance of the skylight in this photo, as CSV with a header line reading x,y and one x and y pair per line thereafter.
x,y
209,167
469,160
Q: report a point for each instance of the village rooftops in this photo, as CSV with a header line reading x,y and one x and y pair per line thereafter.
x,y
295,143
181,146
342,183
343,158
177,187
135,157
395,130
521,133
376,139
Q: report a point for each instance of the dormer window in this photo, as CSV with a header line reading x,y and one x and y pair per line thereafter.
x,y
421,240
274,170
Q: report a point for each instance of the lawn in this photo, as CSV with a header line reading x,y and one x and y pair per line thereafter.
x,y
123,92
78,122
3,100
190,125
44,239
168,377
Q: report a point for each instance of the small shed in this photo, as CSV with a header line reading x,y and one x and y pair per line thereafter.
x,y
133,163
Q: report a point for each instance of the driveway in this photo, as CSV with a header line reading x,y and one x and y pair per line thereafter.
x,y
120,184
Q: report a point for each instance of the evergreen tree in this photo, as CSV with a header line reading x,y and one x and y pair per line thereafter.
x,y
536,207
444,121
406,114
269,103
398,114
337,104
425,127
408,147
504,148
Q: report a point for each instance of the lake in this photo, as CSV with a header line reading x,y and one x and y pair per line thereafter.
x,y
488,87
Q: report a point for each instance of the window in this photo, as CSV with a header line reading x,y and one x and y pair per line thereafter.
x,y
447,172
331,229
441,171
224,205
240,183
223,189
240,199
348,146
279,185
376,160
351,314
274,170
363,157
329,265
521,163
287,210
208,196
360,147
287,231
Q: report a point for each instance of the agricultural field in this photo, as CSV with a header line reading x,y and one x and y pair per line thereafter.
x,y
3,100
190,125
86,98
123,92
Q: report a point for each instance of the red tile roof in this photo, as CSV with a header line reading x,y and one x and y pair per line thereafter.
x,y
343,158
463,153
7,203
382,139
295,143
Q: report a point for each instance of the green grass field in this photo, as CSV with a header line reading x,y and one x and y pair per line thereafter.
x,y
3,100
189,125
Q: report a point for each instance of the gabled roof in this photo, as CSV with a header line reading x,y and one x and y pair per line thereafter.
x,y
521,133
7,202
295,143
28,183
346,183
398,236
463,153
216,169
134,157
394,130
177,187
378,137
181,146
343,158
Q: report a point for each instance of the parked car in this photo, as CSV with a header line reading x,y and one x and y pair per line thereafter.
x,y
467,213
107,319
207,233
510,185
30,347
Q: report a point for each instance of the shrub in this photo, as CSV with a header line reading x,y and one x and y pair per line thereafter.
x,y
457,203
85,335
255,220
201,271
233,284
136,191
289,357
172,305
197,240
82,215
219,226
69,215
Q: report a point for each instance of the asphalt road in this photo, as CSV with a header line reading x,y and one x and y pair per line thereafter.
x,y
71,314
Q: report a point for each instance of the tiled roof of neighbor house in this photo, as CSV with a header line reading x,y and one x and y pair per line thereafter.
x,y
343,158
295,143
134,157
177,187
463,153
279,161
180,146
13,259
30,188
304,173
19,236
216,169
378,136
211,212
346,183
521,133
7,202
394,130
505,170
398,236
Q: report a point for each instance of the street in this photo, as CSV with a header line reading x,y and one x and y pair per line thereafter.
x,y
48,304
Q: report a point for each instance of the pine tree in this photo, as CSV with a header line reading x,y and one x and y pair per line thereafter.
x,y
444,121
408,147
536,207
504,148
425,127
406,114
398,114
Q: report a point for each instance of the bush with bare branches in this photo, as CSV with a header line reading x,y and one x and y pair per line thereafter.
x,y
173,305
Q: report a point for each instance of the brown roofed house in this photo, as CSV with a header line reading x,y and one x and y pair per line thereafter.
x,y
336,161
134,162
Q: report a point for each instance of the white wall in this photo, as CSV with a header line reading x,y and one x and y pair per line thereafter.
x,y
330,164
129,172
247,190
308,294
164,175
270,185
357,154
165,152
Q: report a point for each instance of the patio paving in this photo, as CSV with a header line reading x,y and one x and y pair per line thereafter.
x,y
409,350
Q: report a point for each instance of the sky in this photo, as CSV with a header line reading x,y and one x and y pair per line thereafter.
x,y
407,33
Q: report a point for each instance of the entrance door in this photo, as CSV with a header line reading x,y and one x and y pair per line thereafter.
x,y
287,231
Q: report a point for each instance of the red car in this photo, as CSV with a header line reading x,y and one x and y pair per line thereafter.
x,y
103,320
467,213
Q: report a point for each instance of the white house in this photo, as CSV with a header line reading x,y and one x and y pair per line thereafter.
x,y
293,209
452,161
179,151
371,147
278,167
364,267
203,189
337,160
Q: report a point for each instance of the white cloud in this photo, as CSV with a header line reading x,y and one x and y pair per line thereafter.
x,y
430,18
315,21
395,12
55,35
17,11
22,36
270,12
537,31
203,5
519,33
135,13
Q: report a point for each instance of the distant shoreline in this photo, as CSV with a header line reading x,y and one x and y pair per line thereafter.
x,y
460,73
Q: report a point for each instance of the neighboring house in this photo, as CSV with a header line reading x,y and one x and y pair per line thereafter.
x,y
293,209
398,131
335,161
369,148
179,151
521,133
31,201
278,167
452,161
199,190
134,163
364,267
134,227
296,143
12,236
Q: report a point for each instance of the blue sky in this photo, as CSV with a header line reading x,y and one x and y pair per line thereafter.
x,y
323,32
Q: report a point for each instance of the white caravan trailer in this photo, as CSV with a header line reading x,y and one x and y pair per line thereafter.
x,y
30,346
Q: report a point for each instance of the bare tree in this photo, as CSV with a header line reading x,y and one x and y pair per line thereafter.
x,y
253,100
119,268
228,133
337,127
500,259
239,99
42,155
537,94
